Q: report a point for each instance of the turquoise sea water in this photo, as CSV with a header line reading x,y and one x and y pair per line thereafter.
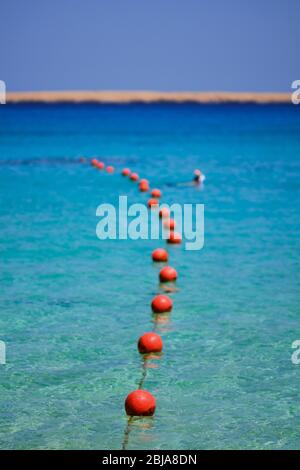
x,y
72,307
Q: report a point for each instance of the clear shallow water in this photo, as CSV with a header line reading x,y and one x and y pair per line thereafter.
x,y
72,307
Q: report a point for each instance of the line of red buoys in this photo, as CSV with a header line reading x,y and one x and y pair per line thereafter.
x,y
141,402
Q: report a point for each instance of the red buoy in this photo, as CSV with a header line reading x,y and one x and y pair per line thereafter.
x,y
168,274
174,238
94,162
153,203
126,172
161,303
170,224
100,165
144,187
156,193
164,212
150,343
160,255
144,181
140,403
134,176
110,169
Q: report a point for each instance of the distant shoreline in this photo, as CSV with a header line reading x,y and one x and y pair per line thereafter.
x,y
124,97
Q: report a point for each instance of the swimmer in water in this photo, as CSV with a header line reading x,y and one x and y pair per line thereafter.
x,y
197,180
197,177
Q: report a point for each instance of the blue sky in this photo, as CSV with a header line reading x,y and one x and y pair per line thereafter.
x,y
235,45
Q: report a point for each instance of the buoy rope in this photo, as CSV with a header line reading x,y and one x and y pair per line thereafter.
x,y
130,419
140,385
128,426
126,433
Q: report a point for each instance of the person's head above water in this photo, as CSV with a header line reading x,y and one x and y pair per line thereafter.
x,y
197,175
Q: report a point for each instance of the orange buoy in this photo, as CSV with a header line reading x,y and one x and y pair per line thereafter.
x,y
110,169
164,212
160,255
144,187
144,181
174,238
170,224
140,403
156,193
100,165
161,303
168,274
94,162
153,203
150,343
126,172
134,176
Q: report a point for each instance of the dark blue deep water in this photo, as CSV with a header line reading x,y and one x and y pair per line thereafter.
x,y
72,307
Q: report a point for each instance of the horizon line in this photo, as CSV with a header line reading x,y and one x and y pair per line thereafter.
x,y
146,96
